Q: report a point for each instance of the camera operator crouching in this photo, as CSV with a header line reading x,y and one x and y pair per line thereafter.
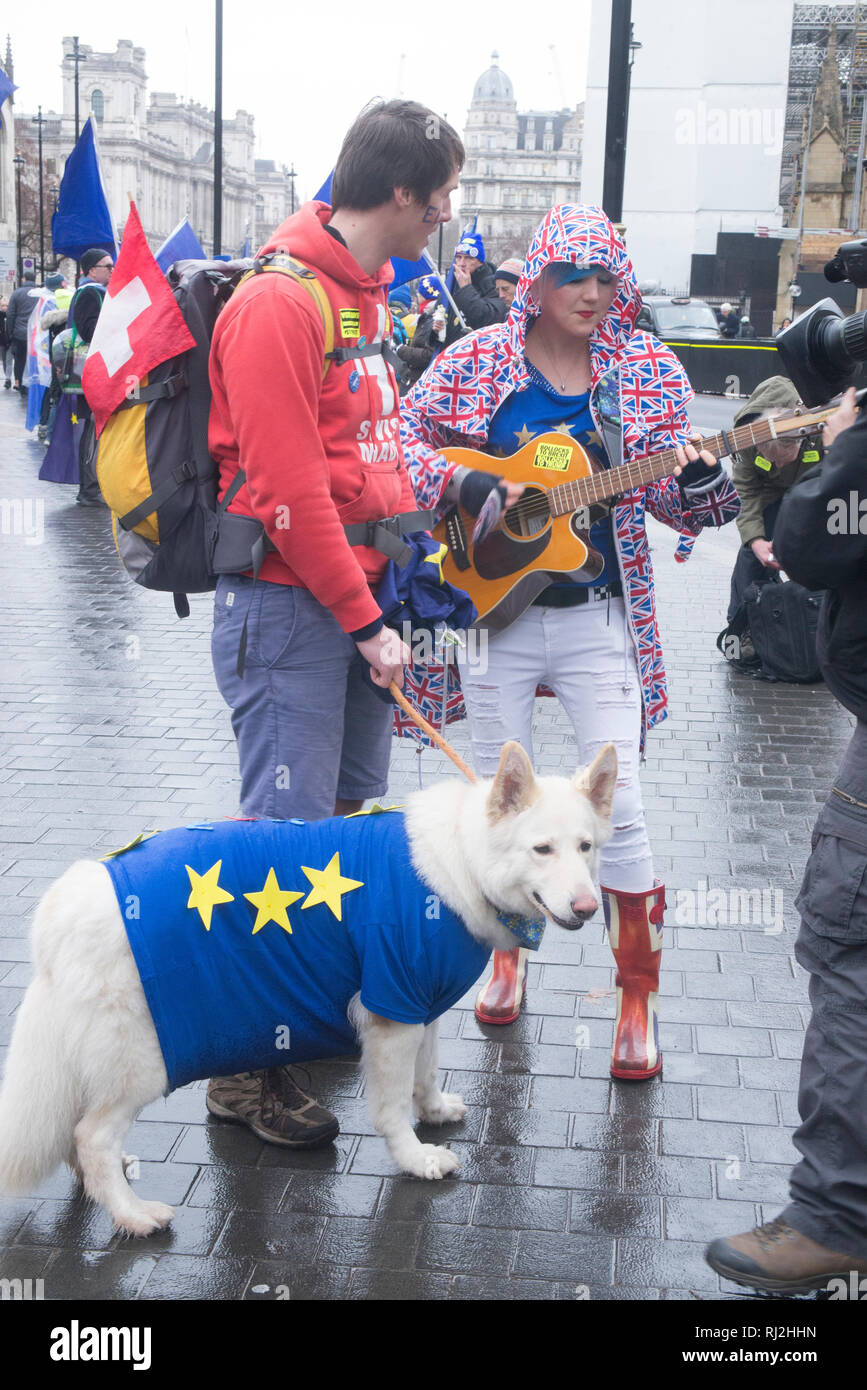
x,y
763,475
822,1233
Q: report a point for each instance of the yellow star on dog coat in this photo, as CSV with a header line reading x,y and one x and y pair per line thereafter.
x,y
437,559
206,892
271,904
329,886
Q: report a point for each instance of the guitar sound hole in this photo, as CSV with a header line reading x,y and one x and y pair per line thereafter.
x,y
529,515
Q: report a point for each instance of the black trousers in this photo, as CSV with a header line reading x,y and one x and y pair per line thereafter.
x,y
19,359
88,487
748,568
829,1186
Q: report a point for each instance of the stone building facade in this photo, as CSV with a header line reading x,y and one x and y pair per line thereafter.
x,y
829,187
518,164
161,152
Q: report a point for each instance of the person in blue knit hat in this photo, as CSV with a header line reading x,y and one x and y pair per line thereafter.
x,y
473,291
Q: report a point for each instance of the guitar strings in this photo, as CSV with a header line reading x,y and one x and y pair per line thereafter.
x,y
537,505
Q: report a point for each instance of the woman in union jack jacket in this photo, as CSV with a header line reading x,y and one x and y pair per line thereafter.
x,y
568,358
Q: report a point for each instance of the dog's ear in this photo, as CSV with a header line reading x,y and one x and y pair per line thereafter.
x,y
599,779
514,786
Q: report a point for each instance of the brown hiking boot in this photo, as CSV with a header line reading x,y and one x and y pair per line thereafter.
x,y
777,1257
271,1104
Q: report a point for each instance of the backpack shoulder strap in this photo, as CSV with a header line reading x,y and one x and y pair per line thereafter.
x,y
285,264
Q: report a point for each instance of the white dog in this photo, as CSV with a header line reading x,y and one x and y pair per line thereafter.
x,y
106,1027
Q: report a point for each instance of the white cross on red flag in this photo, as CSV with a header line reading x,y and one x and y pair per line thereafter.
x,y
139,326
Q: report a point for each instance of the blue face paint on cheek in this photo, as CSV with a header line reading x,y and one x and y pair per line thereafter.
x,y
431,214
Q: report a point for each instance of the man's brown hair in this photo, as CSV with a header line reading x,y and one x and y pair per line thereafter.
x,y
394,144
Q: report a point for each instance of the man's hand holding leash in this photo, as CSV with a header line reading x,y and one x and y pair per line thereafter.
x,y
386,655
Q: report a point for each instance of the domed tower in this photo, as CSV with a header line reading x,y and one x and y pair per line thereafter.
x,y
492,120
490,138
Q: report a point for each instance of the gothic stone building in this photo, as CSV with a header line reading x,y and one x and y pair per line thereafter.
x,y
518,165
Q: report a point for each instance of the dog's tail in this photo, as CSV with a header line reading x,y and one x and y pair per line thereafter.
x,y
39,1104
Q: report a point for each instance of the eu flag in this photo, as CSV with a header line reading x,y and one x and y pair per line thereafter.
x,y
82,218
6,90
180,245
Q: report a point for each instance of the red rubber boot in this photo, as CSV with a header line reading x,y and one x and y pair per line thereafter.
x,y
634,922
499,1001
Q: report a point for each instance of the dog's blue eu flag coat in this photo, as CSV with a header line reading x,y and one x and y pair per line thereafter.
x,y
252,937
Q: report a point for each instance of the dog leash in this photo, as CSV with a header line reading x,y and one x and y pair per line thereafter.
x,y
432,734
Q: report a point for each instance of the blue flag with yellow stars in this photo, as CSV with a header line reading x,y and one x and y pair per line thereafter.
x,y
418,602
251,937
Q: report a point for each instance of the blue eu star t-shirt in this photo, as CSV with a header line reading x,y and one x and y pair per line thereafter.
x,y
539,409
252,937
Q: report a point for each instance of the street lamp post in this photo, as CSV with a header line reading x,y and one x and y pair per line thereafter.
x,y
54,194
218,131
19,162
38,121
292,177
614,166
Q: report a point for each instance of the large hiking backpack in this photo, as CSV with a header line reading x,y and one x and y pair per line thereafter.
x,y
780,620
153,464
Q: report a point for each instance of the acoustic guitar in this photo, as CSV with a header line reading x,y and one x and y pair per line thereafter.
x,y
545,535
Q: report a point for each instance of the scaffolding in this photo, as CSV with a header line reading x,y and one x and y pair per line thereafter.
x,y
811,28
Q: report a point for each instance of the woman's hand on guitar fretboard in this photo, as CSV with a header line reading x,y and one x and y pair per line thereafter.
x,y
689,454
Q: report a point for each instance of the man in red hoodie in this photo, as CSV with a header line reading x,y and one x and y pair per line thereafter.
x,y
318,439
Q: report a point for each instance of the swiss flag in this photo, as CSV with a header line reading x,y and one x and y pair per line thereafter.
x,y
139,326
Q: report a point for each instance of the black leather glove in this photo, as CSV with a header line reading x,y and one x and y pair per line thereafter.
x,y
474,490
698,475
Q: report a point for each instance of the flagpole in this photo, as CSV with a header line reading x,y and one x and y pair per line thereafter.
x,y
37,120
218,134
426,256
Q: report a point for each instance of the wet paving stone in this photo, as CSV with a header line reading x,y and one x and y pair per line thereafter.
x,y
98,1274
572,1186
580,1259
538,1128
449,1201
290,1281
190,1278
387,1285
270,1235
612,1214
474,1249
691,1218
351,1241
642,1262
521,1209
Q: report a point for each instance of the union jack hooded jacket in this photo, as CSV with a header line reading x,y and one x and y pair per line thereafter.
x,y
455,400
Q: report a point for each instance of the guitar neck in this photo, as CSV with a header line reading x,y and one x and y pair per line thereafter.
x,y
602,486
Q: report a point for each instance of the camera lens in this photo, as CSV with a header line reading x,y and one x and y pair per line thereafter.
x,y
853,332
822,351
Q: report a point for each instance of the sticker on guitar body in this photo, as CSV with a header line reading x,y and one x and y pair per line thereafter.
x,y
554,458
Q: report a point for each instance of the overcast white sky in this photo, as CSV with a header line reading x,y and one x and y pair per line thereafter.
x,y
305,71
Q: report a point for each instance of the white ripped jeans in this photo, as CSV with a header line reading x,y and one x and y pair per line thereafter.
x,y
586,656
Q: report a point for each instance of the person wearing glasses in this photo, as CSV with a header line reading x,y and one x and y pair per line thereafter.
x,y
84,310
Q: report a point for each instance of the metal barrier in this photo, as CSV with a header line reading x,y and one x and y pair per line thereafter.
x,y
727,368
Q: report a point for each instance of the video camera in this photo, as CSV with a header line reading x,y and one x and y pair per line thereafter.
x,y
822,350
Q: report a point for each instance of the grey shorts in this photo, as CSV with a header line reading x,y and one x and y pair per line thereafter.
x,y
308,726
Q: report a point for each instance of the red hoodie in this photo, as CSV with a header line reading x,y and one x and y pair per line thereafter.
x,y
318,454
